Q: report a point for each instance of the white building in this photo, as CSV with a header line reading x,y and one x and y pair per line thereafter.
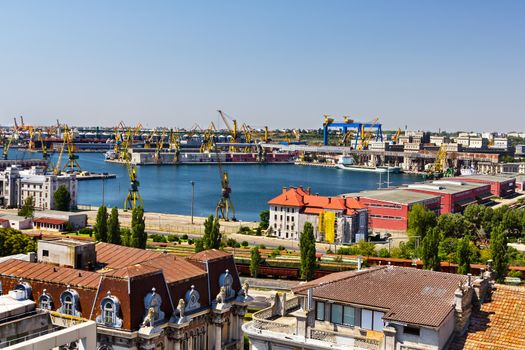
x,y
380,308
16,185
290,210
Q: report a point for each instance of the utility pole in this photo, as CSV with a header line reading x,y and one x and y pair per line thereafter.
x,y
192,198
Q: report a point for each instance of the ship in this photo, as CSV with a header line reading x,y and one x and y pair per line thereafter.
x,y
346,162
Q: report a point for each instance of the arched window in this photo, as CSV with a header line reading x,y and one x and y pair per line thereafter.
x,y
226,281
45,301
70,302
192,300
109,312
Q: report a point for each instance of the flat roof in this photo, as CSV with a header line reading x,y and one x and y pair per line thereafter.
x,y
10,307
395,195
67,242
492,178
445,186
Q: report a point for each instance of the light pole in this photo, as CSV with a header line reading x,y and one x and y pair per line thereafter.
x,y
192,199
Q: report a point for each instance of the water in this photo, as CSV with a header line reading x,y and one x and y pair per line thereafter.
x,y
168,189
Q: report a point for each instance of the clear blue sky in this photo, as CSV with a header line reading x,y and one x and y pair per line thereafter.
x,y
426,64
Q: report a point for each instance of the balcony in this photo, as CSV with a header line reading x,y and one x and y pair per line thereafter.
x,y
283,328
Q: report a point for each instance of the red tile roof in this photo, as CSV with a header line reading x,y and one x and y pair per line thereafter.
x,y
208,255
175,269
498,325
49,221
115,256
407,295
49,272
298,197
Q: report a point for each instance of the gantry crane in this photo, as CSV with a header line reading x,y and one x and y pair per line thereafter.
x,y
45,154
71,165
159,145
133,199
225,203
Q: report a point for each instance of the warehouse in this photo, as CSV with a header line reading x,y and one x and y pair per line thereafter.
x,y
500,185
455,195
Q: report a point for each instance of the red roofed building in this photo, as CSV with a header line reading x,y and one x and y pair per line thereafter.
x,y
290,210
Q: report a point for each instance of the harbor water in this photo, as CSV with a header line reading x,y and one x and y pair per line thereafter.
x,y
168,189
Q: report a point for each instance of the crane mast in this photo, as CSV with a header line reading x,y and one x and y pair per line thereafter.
x,y
222,210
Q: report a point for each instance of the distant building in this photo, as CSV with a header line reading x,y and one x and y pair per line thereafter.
x,y
16,185
335,219
500,185
139,299
380,308
520,150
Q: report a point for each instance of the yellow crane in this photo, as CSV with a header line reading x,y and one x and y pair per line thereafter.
x,y
6,144
71,165
366,135
133,199
149,140
159,145
175,146
395,138
208,138
233,130
225,204
45,154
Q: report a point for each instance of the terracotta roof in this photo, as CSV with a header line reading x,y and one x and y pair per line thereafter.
x,y
116,256
207,255
309,210
297,197
498,325
3,220
49,221
175,269
407,295
133,271
48,272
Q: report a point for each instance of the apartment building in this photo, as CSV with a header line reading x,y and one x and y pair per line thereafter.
x,y
16,185
335,219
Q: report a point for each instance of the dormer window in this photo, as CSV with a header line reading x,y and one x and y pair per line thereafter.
x,y
226,281
192,300
25,288
109,311
70,303
45,301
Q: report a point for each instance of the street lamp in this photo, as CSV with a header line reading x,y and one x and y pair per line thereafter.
x,y
192,198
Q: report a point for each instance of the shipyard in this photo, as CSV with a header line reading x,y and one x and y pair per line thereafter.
x,y
262,175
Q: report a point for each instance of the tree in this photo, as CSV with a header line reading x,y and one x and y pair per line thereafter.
x,y
307,251
212,233
474,213
430,250
255,262
138,228
62,198
113,235
15,242
126,237
101,224
463,255
199,246
453,225
419,220
27,208
264,216
498,250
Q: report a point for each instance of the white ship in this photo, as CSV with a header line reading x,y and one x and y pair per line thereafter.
x,y
347,163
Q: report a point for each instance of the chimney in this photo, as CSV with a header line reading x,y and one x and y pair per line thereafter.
x,y
284,189
310,299
308,190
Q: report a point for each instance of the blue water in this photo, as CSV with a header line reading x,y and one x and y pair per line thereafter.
x,y
167,189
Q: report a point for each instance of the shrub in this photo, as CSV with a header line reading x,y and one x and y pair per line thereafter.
x,y
281,247
184,236
190,241
173,238
244,243
262,246
514,273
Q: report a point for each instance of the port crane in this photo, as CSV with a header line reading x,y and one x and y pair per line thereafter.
x,y
159,145
133,199
395,138
233,130
225,203
71,165
56,169
45,154
6,144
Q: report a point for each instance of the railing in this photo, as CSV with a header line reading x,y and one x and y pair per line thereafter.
x,y
27,337
274,326
292,304
360,342
64,320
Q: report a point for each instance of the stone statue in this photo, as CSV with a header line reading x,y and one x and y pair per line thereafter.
x,y
243,293
221,297
181,307
149,320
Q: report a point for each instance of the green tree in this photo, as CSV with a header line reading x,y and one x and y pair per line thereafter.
x,y
453,225
27,208
463,254
62,198
255,262
474,213
498,250
113,235
419,220
212,233
199,245
125,233
101,224
307,251
264,216
15,242
430,250
138,228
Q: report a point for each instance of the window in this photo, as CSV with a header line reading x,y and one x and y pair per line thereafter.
x,y
319,307
337,314
378,321
349,316
275,216
411,330
292,218
372,320
45,252
68,305
108,313
293,210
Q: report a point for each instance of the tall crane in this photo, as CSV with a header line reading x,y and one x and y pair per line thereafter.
x,y
71,165
225,203
395,138
175,146
6,144
159,145
45,154
366,135
233,130
56,169
133,199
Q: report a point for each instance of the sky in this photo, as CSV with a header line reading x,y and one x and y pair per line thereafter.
x,y
426,65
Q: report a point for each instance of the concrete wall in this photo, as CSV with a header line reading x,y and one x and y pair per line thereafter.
x,y
63,255
24,326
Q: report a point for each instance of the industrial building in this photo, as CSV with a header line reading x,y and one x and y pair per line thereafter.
x,y
455,195
16,185
335,219
500,185
388,208
137,298
380,308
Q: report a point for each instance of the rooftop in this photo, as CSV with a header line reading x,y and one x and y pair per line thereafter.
x,y
498,325
407,295
396,195
445,186
67,242
208,255
489,178
49,221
